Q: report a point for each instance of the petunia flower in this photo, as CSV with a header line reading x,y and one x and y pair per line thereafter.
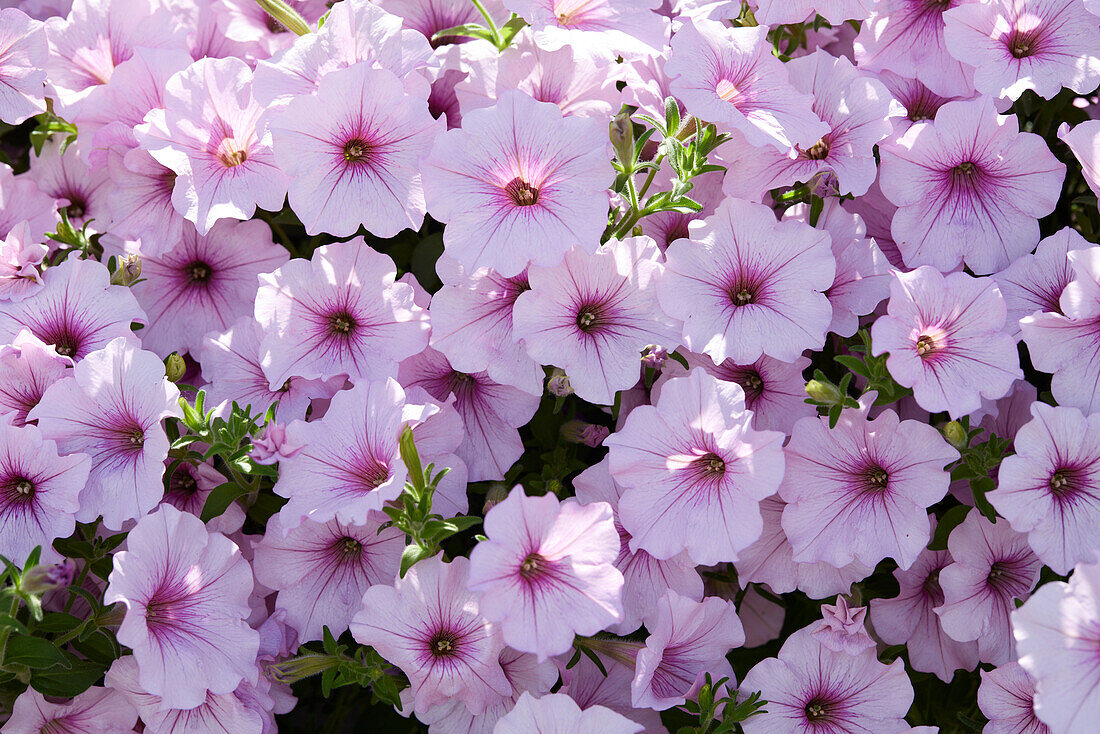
x,y
770,560
321,570
557,713
668,226
22,201
546,571
435,630
338,313
111,408
1050,488
946,340
472,325
185,591
1084,142
909,619
519,184
587,685
1034,282
94,711
729,76
428,17
992,567
919,102
627,28
352,152
694,471
203,283
859,491
810,688
188,486
38,492
969,187
907,38
209,134
842,627
23,54
249,22
29,367
1057,632
779,12
349,464
20,258
592,316
1016,45
745,285
80,191
687,640
140,206
1007,698
1066,343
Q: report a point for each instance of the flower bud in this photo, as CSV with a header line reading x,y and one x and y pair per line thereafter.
x,y
285,15
824,392
498,492
129,270
274,445
654,356
40,579
622,137
174,367
558,383
588,434
955,435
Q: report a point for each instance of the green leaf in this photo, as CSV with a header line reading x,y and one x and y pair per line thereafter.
x,y
979,487
9,622
508,31
412,554
58,623
950,520
33,652
67,682
467,30
220,499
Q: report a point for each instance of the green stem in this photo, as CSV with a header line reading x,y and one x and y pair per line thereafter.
x,y
652,173
497,39
6,632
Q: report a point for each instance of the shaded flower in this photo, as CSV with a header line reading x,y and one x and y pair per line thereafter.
x,y
185,591
518,184
1084,142
557,713
841,628
1035,282
434,630
945,338
694,471
546,571
80,191
22,201
111,408
341,312
20,258
1007,698
187,487
29,367
140,206
95,711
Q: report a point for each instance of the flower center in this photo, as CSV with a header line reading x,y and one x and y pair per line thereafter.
x,y
521,193
932,587
878,478
742,297
819,151
21,488
343,323
926,345
532,566
817,709
135,437
76,209
198,272
357,150
348,548
965,170
443,644
710,465
183,483
727,91
230,155
1023,44
1060,483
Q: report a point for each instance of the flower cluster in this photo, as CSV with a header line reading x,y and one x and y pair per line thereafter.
x,y
549,366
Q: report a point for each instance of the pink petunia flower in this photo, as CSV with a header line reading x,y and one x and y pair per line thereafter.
x,y
38,492
82,192
341,312
438,430
231,365
247,22
349,464
858,111
472,325
909,619
919,102
519,184
946,340
188,486
992,566
859,491
20,258
321,570
436,631
1057,633
352,151
842,627
95,711
770,560
746,285
1017,45
428,17
29,367
779,12
22,201
1050,488
589,688
668,226
23,54
1007,698
111,408
645,578
557,713
594,314
970,187
140,206
729,76
491,412
203,283
209,134
694,471
1066,343
185,591
1084,141
1034,282
810,688
546,571
906,37
627,28
687,639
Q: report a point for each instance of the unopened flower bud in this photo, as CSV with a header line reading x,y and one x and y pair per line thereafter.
x,y
273,446
581,432
129,270
285,15
558,383
497,493
654,356
622,137
40,579
955,435
824,392
174,367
